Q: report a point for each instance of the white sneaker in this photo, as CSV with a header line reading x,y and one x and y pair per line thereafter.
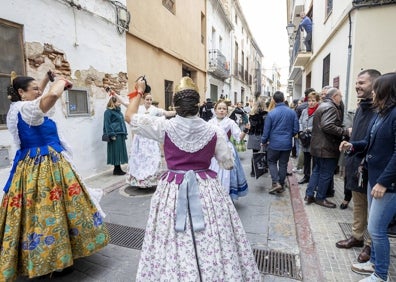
x,y
373,278
297,170
363,268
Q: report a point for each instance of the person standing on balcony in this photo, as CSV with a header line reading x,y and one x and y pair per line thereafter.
x,y
306,24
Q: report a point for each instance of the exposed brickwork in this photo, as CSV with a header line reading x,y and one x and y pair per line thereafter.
x,y
38,55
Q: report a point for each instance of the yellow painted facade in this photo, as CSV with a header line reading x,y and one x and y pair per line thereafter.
x,y
164,45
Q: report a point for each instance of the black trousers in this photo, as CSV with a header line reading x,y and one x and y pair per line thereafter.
x,y
307,164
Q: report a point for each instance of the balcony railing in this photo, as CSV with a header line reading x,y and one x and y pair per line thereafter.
x,y
299,50
218,64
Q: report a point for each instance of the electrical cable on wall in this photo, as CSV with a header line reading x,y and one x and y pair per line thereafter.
x,y
123,17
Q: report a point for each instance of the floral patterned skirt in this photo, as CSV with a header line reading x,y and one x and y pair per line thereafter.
x,y
47,219
223,252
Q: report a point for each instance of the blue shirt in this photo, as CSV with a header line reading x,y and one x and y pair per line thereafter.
x,y
306,24
280,126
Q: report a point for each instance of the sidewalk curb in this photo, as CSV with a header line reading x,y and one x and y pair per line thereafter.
x,y
106,189
114,186
310,262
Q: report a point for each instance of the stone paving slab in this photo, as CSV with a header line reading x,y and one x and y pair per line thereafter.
x,y
324,224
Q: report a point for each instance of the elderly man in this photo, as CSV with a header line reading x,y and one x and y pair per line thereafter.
x,y
327,134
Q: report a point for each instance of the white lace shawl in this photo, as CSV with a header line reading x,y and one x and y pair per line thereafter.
x,y
32,115
189,134
228,124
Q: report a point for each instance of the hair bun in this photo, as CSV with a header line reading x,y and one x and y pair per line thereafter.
x,y
186,83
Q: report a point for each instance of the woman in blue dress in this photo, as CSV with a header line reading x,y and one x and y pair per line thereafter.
x,y
47,217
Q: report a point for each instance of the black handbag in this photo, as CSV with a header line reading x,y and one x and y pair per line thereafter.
x,y
105,138
305,138
259,161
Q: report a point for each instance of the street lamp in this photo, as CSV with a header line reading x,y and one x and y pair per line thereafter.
x,y
290,29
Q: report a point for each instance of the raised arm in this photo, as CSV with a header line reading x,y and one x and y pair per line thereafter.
x,y
169,113
49,99
121,99
134,100
43,83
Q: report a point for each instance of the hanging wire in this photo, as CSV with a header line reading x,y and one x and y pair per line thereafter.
x,y
123,17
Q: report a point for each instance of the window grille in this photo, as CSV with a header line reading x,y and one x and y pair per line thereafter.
x,y
77,102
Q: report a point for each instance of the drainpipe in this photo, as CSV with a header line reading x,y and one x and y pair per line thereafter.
x,y
348,74
231,63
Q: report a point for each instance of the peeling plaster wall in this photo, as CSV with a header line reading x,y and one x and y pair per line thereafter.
x,y
87,48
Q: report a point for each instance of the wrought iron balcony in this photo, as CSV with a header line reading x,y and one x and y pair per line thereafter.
x,y
299,57
218,64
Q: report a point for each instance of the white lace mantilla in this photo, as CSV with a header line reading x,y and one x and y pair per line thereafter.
x,y
190,134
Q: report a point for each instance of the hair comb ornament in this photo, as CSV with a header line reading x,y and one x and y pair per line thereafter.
x,y
186,83
10,88
13,76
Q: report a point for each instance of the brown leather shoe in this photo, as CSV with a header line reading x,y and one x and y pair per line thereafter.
x,y
364,254
349,243
309,199
275,188
325,203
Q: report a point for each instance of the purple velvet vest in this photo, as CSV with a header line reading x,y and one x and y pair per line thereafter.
x,y
179,160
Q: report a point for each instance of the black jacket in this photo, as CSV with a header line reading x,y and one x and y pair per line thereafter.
x,y
257,123
363,118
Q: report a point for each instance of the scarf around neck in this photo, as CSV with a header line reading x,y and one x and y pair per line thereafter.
x,y
312,110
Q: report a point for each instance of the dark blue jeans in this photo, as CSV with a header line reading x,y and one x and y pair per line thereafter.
x,y
321,177
275,159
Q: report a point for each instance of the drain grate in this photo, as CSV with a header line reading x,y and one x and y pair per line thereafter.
x,y
125,236
276,263
347,230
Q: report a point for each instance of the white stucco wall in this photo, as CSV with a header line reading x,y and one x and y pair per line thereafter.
x,y
337,48
371,40
89,39
215,19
